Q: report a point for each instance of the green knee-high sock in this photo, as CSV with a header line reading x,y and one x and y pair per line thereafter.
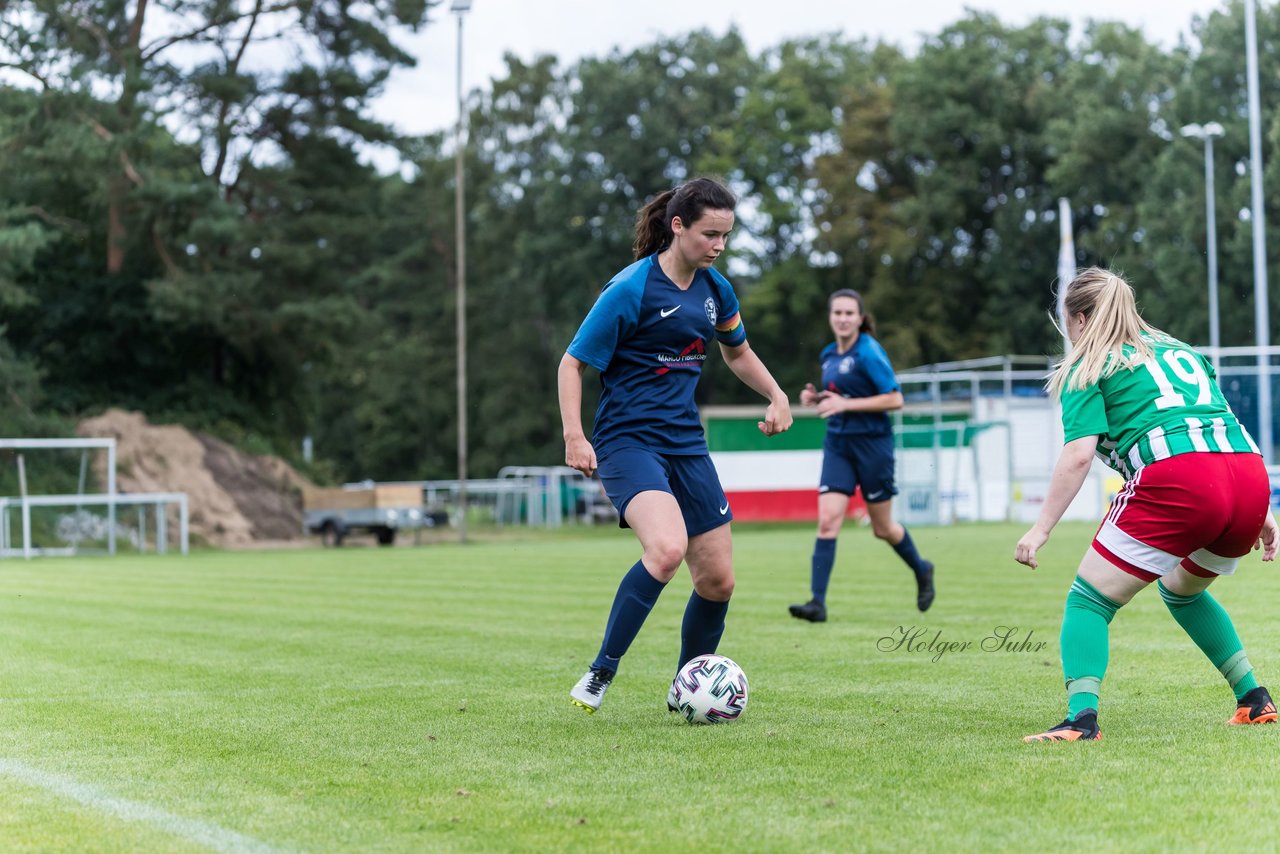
x,y
1085,638
1207,623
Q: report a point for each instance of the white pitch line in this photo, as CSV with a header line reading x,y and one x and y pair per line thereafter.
x,y
191,830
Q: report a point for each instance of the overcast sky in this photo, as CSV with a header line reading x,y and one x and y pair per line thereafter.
x,y
425,98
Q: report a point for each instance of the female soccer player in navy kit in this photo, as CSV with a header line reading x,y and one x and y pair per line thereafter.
x,y
647,335
858,391
1196,497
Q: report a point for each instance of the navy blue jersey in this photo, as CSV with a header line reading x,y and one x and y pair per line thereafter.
x,y
862,371
648,339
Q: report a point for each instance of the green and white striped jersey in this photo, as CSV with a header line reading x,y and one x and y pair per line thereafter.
x,y
1159,408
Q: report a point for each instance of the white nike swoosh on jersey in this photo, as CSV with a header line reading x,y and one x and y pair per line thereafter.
x,y
873,496
724,509
666,312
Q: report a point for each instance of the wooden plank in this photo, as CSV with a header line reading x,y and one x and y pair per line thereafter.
x,y
379,497
397,496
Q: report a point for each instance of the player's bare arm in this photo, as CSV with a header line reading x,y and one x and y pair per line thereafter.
x,y
1068,476
746,366
578,453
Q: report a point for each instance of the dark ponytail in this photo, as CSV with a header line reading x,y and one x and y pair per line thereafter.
x,y
868,322
652,231
688,201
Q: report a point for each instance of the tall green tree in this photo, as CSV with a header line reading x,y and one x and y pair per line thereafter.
x,y
847,211
384,406
1211,87
201,63
212,255
942,201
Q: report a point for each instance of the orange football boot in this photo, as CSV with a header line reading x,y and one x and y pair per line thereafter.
x,y
1255,707
1083,728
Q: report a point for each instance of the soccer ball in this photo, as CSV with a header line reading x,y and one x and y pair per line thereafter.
x,y
710,689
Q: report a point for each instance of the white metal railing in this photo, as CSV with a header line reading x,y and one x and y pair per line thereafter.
x,y
500,493
545,491
109,445
160,500
532,492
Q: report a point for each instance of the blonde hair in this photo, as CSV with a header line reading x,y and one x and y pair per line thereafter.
x,y
1112,321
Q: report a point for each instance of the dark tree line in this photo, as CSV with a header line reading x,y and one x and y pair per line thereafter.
x,y
198,235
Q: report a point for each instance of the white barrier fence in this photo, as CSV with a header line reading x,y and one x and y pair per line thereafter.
x,y
159,501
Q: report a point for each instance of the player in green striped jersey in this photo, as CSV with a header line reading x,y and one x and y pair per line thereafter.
x,y
1196,496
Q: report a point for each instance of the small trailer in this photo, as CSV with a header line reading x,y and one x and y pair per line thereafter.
x,y
381,510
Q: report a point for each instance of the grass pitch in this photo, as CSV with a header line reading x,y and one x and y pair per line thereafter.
x,y
416,699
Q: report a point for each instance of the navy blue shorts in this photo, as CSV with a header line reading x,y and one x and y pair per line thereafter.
x,y
859,460
626,472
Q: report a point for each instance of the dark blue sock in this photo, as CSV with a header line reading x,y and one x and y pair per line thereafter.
x,y
824,558
907,551
636,596
702,627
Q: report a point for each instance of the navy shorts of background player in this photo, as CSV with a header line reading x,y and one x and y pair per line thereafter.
x,y
858,447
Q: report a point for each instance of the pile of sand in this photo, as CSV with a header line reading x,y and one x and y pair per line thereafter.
x,y
233,498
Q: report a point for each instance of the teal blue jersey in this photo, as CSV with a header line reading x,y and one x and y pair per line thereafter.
x,y
648,338
861,371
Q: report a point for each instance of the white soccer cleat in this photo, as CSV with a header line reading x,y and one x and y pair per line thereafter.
x,y
589,692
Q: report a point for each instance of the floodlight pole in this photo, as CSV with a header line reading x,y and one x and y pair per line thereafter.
x,y
461,7
1066,266
1261,321
1207,132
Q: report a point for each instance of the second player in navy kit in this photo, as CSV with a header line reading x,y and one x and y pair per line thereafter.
x,y
859,390
648,335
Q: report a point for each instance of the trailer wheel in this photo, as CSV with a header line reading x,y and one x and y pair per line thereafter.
x,y
332,533
386,536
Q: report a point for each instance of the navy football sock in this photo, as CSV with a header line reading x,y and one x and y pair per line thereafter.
x,y
907,551
824,558
636,596
702,627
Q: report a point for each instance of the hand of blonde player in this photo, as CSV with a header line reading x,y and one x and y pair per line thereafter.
x,y
1031,542
808,395
1269,539
578,454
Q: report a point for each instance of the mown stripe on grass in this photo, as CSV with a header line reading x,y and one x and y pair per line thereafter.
x,y
190,830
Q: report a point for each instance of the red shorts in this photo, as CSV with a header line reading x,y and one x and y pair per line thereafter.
x,y
1203,511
